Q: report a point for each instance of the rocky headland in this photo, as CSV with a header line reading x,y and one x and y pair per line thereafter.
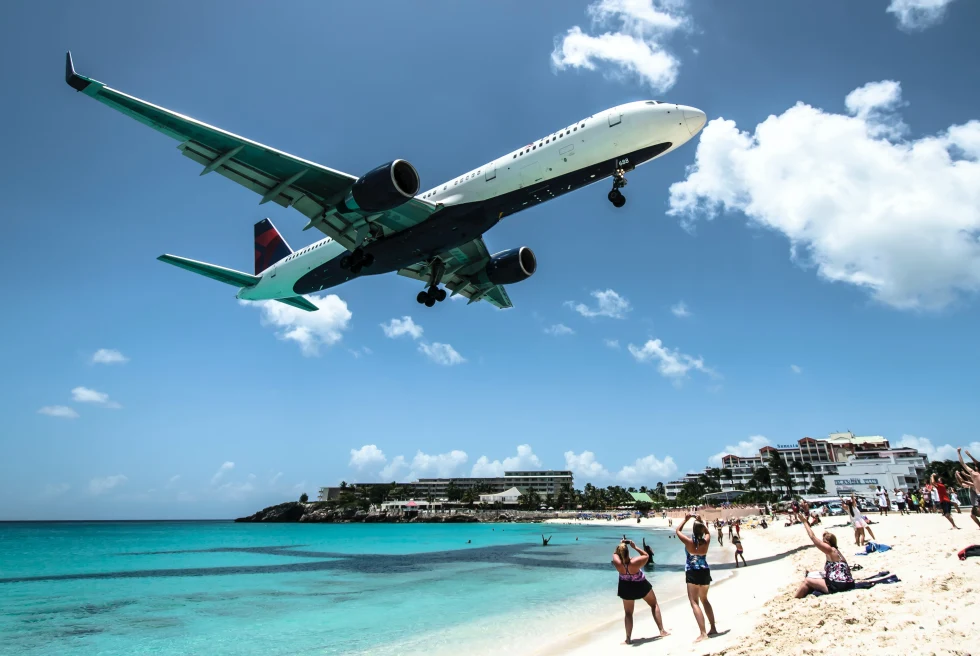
x,y
295,511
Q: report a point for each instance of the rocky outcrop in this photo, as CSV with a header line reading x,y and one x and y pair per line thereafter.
x,y
292,511
318,513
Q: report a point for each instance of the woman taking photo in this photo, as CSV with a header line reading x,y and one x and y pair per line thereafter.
x,y
633,585
698,574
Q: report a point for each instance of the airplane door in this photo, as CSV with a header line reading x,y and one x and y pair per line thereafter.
x,y
491,172
531,174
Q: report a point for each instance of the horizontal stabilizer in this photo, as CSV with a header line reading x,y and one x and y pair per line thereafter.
x,y
299,302
219,273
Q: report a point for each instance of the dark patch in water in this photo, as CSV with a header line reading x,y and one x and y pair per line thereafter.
x,y
76,631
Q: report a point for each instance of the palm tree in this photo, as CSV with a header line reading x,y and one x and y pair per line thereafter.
x,y
763,478
727,473
661,491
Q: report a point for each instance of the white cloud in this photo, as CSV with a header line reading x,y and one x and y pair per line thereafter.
x,y
226,467
941,452
558,330
368,455
611,343
56,490
404,326
394,469
744,448
443,354
585,466
237,491
609,304
87,395
62,411
275,479
440,465
647,469
311,330
98,486
915,15
109,356
680,310
796,369
525,459
670,363
633,45
897,218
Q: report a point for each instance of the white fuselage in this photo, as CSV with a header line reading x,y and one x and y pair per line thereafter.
x,y
598,138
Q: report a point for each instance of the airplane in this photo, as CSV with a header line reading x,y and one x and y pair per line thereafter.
x,y
379,222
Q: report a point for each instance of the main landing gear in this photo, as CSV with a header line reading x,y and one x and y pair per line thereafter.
x,y
356,260
433,293
616,197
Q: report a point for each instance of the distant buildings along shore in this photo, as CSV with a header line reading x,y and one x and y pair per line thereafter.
x,y
545,482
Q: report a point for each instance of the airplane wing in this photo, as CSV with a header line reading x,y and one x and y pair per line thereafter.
x,y
464,275
285,179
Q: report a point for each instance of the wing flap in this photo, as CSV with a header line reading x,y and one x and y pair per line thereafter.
x,y
463,266
213,271
299,302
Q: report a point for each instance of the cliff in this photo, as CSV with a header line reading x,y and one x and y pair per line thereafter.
x,y
294,511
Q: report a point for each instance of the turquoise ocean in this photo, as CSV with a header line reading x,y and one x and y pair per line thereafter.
x,y
223,588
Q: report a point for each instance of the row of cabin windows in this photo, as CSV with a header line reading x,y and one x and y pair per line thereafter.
x,y
470,176
564,133
305,250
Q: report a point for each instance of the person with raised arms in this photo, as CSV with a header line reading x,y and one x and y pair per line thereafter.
x,y
633,585
697,573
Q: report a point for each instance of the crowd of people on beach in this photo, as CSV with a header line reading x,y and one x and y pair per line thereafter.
x,y
836,575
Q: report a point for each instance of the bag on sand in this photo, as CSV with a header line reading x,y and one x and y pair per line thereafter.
x,y
972,550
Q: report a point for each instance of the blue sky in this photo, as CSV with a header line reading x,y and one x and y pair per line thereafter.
x,y
827,262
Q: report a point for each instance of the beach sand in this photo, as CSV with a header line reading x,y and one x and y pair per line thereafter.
x,y
933,610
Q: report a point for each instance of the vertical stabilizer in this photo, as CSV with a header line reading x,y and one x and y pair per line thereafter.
x,y
270,247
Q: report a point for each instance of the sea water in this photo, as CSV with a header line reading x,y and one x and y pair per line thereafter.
x,y
242,589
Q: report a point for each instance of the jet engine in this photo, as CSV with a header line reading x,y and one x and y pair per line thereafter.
x,y
384,188
508,267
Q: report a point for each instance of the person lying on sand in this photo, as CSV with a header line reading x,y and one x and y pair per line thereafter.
x,y
836,573
633,585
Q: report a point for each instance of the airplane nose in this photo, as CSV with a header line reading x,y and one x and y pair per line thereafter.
x,y
695,119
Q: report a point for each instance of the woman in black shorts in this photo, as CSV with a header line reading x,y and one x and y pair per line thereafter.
x,y
698,574
633,585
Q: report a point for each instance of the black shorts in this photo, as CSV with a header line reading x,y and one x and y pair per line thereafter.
x,y
901,505
947,507
634,590
698,576
976,511
837,586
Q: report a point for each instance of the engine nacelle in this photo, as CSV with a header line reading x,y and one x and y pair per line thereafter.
x,y
384,188
511,266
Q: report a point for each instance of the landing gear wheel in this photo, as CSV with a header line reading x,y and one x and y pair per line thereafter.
x,y
440,295
368,260
422,298
345,262
429,301
617,198
356,269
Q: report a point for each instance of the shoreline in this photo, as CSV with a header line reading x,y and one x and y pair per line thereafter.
x,y
932,606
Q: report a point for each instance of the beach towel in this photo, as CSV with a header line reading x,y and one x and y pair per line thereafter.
x,y
972,550
871,547
869,582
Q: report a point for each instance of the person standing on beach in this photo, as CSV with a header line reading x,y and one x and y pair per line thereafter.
x,y
882,495
739,552
944,502
633,585
721,536
698,574
900,500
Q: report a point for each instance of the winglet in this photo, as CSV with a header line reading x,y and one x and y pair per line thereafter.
x,y
74,80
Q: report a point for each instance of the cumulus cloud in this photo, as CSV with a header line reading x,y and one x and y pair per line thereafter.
x,y
628,40
109,356
646,469
367,456
404,326
439,465
895,217
98,486
443,354
796,369
558,330
670,363
60,411
525,459
585,466
87,395
608,304
394,469
914,15
226,467
744,448
681,310
940,452
310,330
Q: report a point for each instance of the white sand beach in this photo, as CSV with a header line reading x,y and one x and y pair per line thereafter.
x,y
934,607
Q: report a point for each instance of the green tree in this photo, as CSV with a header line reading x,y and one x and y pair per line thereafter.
x,y
728,474
303,498
529,499
453,493
661,490
818,486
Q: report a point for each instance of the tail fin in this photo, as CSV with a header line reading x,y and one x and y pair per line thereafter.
x,y
270,247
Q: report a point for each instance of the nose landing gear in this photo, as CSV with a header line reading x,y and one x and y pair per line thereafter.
x,y
433,293
356,260
615,196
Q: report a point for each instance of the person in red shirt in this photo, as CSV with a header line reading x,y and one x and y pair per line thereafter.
x,y
944,502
